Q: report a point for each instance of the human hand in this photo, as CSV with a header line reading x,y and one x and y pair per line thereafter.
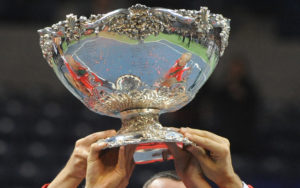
x,y
213,154
109,168
187,167
75,170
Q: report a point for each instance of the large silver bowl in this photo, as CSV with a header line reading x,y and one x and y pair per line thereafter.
x,y
135,64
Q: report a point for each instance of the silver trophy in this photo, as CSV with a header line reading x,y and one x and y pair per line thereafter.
x,y
136,64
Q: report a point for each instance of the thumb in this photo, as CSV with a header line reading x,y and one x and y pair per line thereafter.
x,y
177,152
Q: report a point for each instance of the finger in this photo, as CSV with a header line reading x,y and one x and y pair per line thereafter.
x,y
165,154
174,129
130,149
203,133
206,143
175,150
81,153
125,158
197,151
94,151
88,140
121,158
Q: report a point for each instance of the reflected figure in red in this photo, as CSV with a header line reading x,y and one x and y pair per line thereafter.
x,y
79,74
175,74
80,77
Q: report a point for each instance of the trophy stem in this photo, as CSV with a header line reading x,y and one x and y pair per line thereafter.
x,y
140,120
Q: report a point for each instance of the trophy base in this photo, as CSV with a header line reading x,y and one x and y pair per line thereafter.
x,y
142,128
150,148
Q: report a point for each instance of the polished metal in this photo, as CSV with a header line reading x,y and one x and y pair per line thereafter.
x,y
135,64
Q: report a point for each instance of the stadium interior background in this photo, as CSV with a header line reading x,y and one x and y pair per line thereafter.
x,y
253,97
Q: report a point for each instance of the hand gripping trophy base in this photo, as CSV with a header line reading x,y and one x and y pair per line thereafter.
x,y
142,127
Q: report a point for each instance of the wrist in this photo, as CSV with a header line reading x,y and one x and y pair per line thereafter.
x,y
108,184
193,184
194,181
231,182
75,168
74,173
65,179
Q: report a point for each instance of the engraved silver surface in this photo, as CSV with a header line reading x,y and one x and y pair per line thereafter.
x,y
136,63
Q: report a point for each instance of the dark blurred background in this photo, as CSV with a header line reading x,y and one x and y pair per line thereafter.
x,y
253,97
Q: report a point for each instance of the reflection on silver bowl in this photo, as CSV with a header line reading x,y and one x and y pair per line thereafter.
x,y
135,64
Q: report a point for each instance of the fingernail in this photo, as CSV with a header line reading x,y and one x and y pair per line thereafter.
x,y
188,135
183,129
174,128
102,144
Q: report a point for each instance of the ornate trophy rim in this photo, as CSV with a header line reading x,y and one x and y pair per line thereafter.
x,y
137,22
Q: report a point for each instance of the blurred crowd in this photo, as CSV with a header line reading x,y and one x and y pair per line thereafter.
x,y
38,127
